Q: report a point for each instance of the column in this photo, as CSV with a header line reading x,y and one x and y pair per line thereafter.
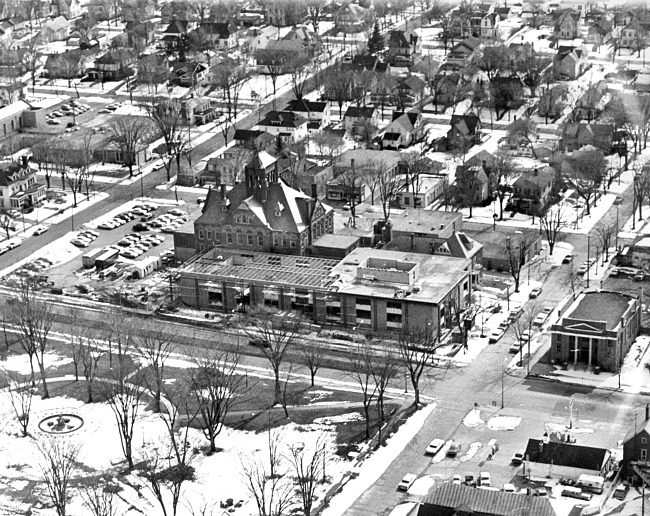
x,y
575,350
590,350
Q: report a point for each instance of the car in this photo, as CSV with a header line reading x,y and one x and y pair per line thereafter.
x,y
509,488
146,217
53,121
259,342
406,482
515,347
106,225
484,479
91,232
141,226
585,266
639,276
495,336
346,207
503,325
139,211
125,242
79,242
434,446
517,459
525,336
156,224
104,111
157,166
132,255
614,272
621,491
514,314
457,479
177,212
540,491
454,449
169,229
56,114
539,319
39,230
535,292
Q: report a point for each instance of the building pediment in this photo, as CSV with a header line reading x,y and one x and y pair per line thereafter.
x,y
581,327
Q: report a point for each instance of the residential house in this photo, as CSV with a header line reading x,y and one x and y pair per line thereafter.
x,y
495,255
114,65
153,68
99,10
475,178
511,86
445,87
257,38
359,121
18,185
190,75
223,35
400,131
12,63
599,33
462,51
365,62
578,135
249,19
420,192
12,92
284,15
138,11
280,55
450,498
140,34
490,25
465,130
564,459
636,255
532,190
566,24
570,62
6,30
352,18
309,39
55,30
346,188
173,33
588,335
227,169
67,65
253,139
262,214
288,125
635,450
408,92
592,102
633,36
316,113
176,10
532,15
402,47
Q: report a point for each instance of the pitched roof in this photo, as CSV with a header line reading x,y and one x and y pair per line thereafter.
x,y
221,29
465,121
564,454
480,157
481,501
306,106
57,24
176,27
360,112
539,178
283,119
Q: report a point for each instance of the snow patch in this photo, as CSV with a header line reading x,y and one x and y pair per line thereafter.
x,y
343,418
473,450
503,422
20,363
422,486
473,418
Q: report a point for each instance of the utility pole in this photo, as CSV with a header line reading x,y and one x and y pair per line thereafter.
x,y
503,379
588,264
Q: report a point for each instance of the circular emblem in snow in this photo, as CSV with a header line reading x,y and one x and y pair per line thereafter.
x,y
60,424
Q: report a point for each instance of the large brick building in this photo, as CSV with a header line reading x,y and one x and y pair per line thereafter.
x,y
262,214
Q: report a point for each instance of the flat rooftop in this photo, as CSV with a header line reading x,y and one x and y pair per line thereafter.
x,y
436,275
417,220
336,241
607,307
275,269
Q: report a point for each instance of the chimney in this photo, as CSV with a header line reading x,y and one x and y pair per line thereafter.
x,y
314,191
223,192
647,412
541,447
24,160
535,172
352,163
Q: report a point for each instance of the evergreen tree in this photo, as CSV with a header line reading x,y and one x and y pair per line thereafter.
x,y
376,41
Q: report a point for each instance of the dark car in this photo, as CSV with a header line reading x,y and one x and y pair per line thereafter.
x,y
29,209
260,343
141,226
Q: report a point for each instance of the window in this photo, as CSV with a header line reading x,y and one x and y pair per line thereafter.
x,y
240,238
250,239
644,440
275,241
201,234
209,234
260,240
407,201
285,241
644,454
229,238
293,242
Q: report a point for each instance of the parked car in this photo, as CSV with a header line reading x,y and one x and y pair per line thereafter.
x,y
517,459
484,479
639,276
535,292
40,230
141,226
495,336
515,347
406,482
524,337
457,479
614,272
567,259
434,446
454,449
621,491
509,488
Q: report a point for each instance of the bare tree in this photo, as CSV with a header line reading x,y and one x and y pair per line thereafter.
x,y
535,67
417,349
552,222
523,329
59,463
123,395
272,493
605,231
7,224
230,80
313,358
383,369
585,173
308,464
362,372
517,251
524,130
90,355
130,134
641,190
99,497
32,319
504,171
20,393
467,182
570,277
314,13
387,186
154,344
274,333
462,317
216,385
299,70
329,145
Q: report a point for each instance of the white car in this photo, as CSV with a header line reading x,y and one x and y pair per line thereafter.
x,y
434,446
457,479
406,482
79,243
509,488
40,230
495,336
484,479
